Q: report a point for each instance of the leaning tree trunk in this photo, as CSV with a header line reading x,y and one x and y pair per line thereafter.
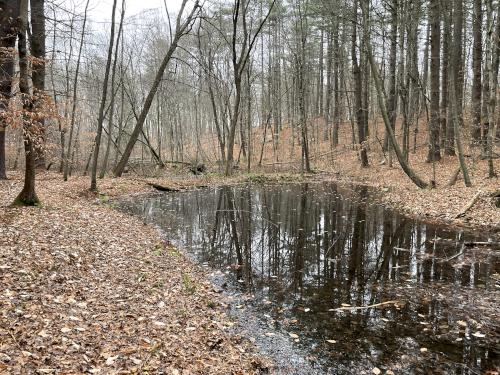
x,y
179,32
27,196
383,108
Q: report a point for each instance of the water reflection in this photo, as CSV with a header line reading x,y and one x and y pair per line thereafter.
x,y
314,249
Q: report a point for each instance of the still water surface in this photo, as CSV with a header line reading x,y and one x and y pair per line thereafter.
x,y
307,253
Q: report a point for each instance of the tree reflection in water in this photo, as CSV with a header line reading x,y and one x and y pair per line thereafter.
x,y
312,248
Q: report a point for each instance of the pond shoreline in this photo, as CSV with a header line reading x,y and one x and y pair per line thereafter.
x,y
83,291
170,210
408,199
62,210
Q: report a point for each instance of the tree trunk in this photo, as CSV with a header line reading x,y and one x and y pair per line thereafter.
x,y
358,90
434,153
495,62
100,120
104,165
27,196
477,56
336,86
37,44
10,13
446,139
74,101
392,100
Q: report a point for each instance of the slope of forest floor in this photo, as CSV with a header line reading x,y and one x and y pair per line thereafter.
x,y
87,289
444,204
341,163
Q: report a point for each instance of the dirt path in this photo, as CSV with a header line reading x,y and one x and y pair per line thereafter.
x,y
86,289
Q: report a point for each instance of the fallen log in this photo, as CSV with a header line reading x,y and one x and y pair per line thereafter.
x,y
469,205
162,187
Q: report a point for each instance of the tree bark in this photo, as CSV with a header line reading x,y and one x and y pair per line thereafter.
x,y
37,44
27,196
477,56
10,13
358,89
434,153
447,140
495,62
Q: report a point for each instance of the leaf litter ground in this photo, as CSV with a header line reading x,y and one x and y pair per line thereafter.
x,y
87,289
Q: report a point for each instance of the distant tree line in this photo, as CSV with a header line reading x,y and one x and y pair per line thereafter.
x,y
221,82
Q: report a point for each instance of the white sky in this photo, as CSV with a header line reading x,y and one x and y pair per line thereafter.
x,y
101,9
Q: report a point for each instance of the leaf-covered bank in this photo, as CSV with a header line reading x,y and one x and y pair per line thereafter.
x,y
86,289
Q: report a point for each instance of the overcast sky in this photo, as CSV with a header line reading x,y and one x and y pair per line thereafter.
x,y
101,9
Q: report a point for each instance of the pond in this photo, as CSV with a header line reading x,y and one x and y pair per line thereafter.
x,y
326,274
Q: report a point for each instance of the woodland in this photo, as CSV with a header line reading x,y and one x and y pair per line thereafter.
x,y
249,85
96,103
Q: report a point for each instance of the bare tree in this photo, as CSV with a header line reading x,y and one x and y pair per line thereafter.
x,y
67,155
100,120
112,105
241,49
434,153
182,27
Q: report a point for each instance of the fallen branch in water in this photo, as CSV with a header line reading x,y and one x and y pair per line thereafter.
x,y
478,243
365,307
452,257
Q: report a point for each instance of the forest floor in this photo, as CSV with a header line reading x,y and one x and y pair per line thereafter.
x,y
87,289
442,203
83,290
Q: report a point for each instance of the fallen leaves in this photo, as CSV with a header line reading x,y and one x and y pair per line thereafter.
x,y
72,302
